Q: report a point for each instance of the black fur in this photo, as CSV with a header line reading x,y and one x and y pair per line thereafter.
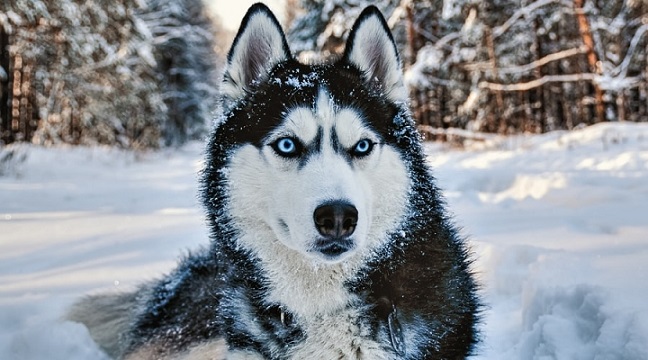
x,y
421,273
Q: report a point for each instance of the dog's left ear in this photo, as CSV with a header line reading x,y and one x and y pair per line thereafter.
x,y
259,45
372,49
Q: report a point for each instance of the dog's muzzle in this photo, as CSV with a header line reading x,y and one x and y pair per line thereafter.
x,y
335,221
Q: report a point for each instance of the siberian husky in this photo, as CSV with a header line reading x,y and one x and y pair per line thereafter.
x,y
329,238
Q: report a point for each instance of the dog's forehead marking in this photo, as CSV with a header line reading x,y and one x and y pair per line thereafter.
x,y
301,122
344,124
325,109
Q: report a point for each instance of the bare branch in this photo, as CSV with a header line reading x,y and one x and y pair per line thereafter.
x,y
456,132
484,66
538,82
498,31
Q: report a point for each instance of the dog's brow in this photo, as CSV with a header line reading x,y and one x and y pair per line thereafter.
x,y
300,122
349,127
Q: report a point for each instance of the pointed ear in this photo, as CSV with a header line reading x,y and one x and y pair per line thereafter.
x,y
372,49
259,45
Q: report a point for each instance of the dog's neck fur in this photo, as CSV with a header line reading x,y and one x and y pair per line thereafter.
x,y
298,284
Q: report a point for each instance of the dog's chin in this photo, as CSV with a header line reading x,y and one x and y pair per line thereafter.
x,y
332,251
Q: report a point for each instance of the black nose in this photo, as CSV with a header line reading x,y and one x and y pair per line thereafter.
x,y
336,219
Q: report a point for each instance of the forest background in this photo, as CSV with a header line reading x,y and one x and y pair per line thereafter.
x,y
144,74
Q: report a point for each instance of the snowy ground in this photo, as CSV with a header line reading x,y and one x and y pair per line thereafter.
x,y
558,222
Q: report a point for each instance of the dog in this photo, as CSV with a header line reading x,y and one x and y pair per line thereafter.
x,y
329,237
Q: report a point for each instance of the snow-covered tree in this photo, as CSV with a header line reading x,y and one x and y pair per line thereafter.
x,y
126,72
323,26
525,66
183,48
619,31
505,65
86,72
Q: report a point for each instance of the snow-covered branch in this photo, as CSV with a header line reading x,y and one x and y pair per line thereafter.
x,y
622,69
456,132
525,12
538,82
485,66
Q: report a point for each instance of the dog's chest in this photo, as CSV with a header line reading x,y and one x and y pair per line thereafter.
x,y
343,335
332,329
320,316
334,323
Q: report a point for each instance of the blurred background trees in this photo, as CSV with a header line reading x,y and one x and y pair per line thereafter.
x,y
132,73
144,73
504,66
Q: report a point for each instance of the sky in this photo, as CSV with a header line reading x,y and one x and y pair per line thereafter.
x,y
231,12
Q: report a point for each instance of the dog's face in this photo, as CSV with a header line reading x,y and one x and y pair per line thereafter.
x,y
313,166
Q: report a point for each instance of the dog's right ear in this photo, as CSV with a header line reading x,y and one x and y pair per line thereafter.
x,y
371,48
259,45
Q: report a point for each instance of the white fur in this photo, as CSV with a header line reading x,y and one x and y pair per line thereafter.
x,y
374,53
212,350
339,336
243,355
265,186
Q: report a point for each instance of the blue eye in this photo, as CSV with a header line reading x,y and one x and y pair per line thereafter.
x,y
286,147
362,148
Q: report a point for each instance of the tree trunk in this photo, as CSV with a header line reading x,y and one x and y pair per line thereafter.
x,y
490,45
411,34
592,59
5,90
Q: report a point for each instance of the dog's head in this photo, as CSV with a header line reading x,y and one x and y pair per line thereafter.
x,y
312,163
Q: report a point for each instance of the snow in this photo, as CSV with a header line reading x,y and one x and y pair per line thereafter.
x,y
557,223
450,9
428,59
77,220
559,227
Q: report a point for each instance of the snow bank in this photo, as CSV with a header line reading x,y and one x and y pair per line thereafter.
x,y
80,220
557,223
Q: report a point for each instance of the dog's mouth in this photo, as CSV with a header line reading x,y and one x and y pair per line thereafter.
x,y
333,249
